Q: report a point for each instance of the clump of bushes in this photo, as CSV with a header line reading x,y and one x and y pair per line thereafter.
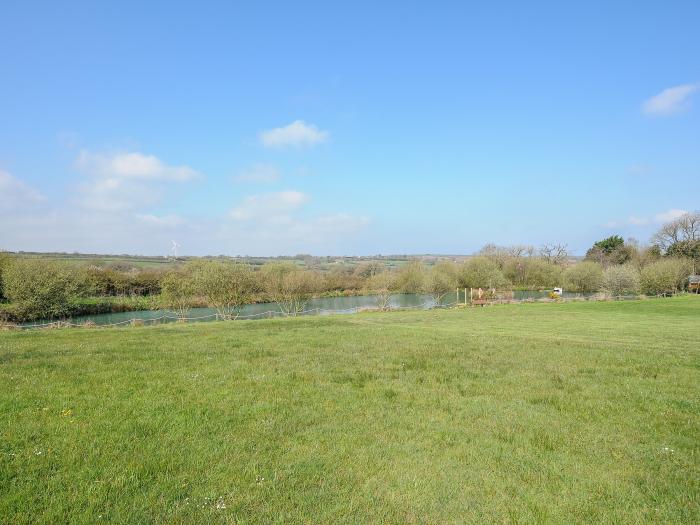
x,y
665,277
621,280
39,288
482,272
584,277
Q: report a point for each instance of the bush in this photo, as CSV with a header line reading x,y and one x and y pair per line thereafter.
x,y
584,277
381,285
440,280
666,276
177,292
482,272
226,286
288,285
621,280
532,272
411,277
41,288
4,261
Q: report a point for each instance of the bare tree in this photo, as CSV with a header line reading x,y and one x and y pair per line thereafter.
x,y
554,253
684,228
289,286
440,280
382,285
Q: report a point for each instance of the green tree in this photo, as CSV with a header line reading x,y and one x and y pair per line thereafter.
x,y
226,286
611,250
585,277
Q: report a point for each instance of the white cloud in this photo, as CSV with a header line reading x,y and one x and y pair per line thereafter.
x,y
669,215
659,218
259,173
670,101
269,206
15,194
125,181
298,134
132,166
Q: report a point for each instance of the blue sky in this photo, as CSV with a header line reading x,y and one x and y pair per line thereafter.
x,y
269,128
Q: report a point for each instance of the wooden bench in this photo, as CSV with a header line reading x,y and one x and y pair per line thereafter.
x,y
479,302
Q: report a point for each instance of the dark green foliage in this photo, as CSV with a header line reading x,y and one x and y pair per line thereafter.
x,y
690,249
610,244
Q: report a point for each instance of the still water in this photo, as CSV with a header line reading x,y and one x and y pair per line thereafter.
x,y
320,306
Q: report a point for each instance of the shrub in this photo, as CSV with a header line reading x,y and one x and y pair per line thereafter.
x,y
666,276
411,277
621,280
482,272
288,285
226,286
382,285
584,277
532,272
177,292
41,288
440,280
4,261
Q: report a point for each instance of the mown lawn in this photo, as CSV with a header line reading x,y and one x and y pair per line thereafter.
x,y
532,413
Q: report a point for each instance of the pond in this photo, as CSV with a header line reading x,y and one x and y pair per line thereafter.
x,y
318,306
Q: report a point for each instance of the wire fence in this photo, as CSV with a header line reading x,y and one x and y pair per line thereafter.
x,y
169,318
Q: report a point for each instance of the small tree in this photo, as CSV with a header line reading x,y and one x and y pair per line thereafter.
x,y
440,280
288,285
177,292
226,286
382,285
665,277
621,280
585,277
41,288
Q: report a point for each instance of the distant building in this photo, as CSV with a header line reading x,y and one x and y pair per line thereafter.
x,y
694,283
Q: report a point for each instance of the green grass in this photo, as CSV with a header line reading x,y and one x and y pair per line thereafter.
x,y
531,413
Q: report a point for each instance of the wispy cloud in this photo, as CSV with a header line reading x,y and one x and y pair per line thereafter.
x,y
16,194
670,101
659,218
132,166
270,206
263,173
296,134
123,181
670,215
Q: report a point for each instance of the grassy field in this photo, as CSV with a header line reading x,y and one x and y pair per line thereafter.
x,y
530,413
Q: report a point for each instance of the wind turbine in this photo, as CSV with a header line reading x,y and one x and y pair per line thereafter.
x,y
174,248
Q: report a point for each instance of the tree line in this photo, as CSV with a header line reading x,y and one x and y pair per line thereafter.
x,y
34,288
